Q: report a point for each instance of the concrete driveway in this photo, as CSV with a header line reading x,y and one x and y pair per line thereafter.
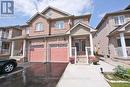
x,y
85,76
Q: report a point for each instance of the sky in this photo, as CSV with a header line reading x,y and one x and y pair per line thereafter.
x,y
24,9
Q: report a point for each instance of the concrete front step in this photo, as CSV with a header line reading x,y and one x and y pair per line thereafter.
x,y
19,59
81,59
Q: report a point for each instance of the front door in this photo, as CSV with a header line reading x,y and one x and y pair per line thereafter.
x,y
80,45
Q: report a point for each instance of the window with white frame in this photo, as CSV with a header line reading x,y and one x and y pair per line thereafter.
x,y
27,30
39,26
119,20
59,25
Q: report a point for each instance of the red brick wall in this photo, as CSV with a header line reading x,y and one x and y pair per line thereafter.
x,y
56,31
32,25
32,29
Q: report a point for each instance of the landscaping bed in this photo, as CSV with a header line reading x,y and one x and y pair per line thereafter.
x,y
112,77
119,84
119,78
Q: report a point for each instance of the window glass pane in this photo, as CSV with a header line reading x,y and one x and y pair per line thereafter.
x,y
118,42
83,45
77,46
59,24
127,42
27,30
121,18
39,27
116,20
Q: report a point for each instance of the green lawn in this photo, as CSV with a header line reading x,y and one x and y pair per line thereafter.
x,y
120,84
113,77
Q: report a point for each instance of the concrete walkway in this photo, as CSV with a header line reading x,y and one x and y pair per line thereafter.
x,y
84,76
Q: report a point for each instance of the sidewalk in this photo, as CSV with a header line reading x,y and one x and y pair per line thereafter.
x,y
84,76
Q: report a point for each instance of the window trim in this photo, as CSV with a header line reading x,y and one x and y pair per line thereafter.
x,y
119,19
58,26
40,26
27,30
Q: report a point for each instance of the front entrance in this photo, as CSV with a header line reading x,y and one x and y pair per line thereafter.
x,y
80,45
80,49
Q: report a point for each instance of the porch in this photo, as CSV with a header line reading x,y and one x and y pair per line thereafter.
x,y
121,45
81,48
4,47
81,43
18,49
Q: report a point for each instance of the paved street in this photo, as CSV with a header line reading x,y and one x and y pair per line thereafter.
x,y
85,76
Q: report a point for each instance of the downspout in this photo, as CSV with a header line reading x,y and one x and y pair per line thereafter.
x,y
46,49
49,21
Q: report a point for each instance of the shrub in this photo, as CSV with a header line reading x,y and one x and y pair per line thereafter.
x,y
121,72
128,71
94,59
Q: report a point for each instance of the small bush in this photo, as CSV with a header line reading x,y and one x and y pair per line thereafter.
x,y
128,71
121,72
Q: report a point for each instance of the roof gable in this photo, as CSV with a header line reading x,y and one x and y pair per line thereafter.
x,y
111,14
128,7
120,28
86,27
54,12
36,15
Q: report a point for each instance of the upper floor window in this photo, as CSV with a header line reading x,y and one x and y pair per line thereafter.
x,y
5,33
27,30
77,21
39,26
119,20
59,25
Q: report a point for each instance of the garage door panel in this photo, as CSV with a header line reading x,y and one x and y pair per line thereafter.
x,y
59,54
37,54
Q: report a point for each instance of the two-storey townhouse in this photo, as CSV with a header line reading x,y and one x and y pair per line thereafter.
x,y
6,33
112,38
54,36
4,43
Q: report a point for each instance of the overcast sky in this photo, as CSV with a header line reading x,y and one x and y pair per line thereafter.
x,y
24,9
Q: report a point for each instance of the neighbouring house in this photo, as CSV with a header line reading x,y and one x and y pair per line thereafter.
x,y
4,43
112,38
6,33
54,36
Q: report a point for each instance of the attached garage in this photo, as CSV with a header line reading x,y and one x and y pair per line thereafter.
x,y
51,50
37,53
58,53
